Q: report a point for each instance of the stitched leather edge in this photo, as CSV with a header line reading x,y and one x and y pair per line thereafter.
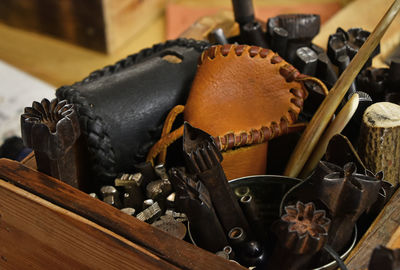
x,y
102,156
256,136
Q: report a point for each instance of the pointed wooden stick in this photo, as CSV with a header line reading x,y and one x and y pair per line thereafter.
x,y
335,127
318,123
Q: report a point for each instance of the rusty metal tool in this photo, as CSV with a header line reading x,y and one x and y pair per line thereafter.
x,y
203,160
52,130
301,232
343,193
133,194
150,214
110,195
321,118
193,199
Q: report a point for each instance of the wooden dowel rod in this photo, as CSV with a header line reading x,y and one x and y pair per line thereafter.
x,y
318,123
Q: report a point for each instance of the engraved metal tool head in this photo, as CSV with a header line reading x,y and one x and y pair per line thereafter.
x,y
200,149
302,229
50,127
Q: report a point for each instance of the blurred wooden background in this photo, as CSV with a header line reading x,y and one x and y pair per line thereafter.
x,y
58,62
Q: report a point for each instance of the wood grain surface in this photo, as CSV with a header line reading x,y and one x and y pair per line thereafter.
x,y
35,234
176,252
102,25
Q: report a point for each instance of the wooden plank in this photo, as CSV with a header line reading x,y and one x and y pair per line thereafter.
x,y
170,249
394,241
35,234
380,233
365,14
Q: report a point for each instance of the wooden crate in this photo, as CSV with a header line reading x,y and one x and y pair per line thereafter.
x,y
46,224
102,25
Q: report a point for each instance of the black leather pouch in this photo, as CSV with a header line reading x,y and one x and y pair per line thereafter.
x,y
122,107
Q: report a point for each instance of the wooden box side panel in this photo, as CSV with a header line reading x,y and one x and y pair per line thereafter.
x,y
76,21
172,250
35,234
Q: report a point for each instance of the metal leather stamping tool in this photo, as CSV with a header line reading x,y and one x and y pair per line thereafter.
x,y
128,210
302,231
226,253
383,258
217,36
159,190
181,217
52,129
133,195
243,10
325,70
249,253
93,195
306,61
171,226
352,130
345,194
301,28
253,214
147,171
251,33
170,201
193,199
110,195
343,61
203,159
150,214
348,43
147,203
279,40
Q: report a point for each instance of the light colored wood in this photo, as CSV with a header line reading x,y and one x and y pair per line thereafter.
x,y
379,146
60,63
124,19
203,27
320,120
102,25
394,241
35,234
365,14
335,127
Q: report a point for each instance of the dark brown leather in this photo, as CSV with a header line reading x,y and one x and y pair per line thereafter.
x,y
244,96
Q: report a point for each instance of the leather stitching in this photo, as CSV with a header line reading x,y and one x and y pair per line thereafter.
x,y
266,132
102,156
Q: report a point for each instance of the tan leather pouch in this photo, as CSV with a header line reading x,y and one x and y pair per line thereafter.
x,y
244,96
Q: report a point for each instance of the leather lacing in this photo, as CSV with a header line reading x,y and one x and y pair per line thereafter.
x,y
102,155
233,140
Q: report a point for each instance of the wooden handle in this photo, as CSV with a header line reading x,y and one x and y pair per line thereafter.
x,y
335,127
379,135
318,123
